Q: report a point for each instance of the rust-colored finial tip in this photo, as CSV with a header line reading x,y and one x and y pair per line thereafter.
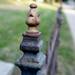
x,y
33,5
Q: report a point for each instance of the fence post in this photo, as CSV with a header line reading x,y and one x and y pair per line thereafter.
x,y
54,44
33,59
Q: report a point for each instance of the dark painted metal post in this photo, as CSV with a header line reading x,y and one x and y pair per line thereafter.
x,y
33,59
54,44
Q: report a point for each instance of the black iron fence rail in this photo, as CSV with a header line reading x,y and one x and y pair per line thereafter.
x,y
33,61
53,45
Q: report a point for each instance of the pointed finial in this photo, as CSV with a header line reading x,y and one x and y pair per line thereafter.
x,y
33,5
33,21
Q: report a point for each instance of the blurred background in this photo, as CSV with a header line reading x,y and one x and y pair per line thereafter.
x,y
13,14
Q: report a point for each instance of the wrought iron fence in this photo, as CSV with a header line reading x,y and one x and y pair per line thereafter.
x,y
33,61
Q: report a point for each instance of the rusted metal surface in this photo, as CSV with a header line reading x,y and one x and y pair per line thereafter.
x,y
33,21
33,61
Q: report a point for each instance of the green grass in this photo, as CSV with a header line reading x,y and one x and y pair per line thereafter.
x,y
66,46
12,25
66,53
11,28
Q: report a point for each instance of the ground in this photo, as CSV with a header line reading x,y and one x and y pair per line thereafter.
x,y
12,25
